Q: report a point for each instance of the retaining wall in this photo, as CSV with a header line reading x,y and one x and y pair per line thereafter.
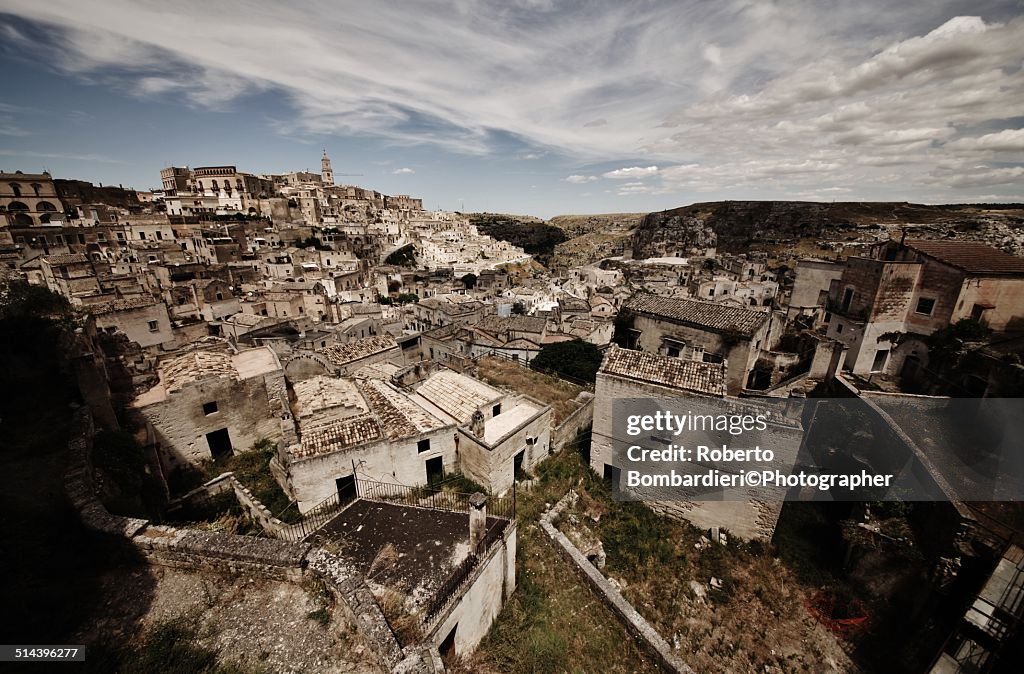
x,y
635,623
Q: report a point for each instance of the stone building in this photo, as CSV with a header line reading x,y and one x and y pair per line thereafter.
x,y
366,425
144,321
213,401
29,199
702,332
918,287
626,374
501,436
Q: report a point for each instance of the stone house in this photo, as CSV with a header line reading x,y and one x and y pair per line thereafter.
x,y
701,331
145,321
212,401
367,426
501,436
72,275
917,287
626,374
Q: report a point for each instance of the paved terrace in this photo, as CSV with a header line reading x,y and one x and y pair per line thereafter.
x,y
428,545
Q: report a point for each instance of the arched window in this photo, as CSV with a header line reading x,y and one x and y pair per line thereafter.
x,y
35,188
16,188
17,206
200,185
238,183
215,187
44,218
23,219
46,206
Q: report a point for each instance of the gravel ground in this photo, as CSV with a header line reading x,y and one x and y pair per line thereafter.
x,y
250,621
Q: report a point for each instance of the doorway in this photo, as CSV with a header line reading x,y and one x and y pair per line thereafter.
x,y
517,465
435,470
346,488
220,444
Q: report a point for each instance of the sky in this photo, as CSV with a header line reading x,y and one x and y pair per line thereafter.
x,y
529,106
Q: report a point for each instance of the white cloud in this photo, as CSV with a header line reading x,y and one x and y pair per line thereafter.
x,y
405,170
631,172
740,95
1007,140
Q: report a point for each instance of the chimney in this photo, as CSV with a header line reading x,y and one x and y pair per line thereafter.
x,y
476,424
477,521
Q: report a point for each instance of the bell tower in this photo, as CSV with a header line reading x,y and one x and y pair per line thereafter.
x,y
326,173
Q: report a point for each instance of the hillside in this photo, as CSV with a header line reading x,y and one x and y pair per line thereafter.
x,y
578,225
531,234
803,227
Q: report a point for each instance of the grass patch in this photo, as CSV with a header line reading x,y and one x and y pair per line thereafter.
x,y
252,469
553,623
549,390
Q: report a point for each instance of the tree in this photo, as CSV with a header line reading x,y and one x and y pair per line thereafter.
x,y
519,309
576,360
469,280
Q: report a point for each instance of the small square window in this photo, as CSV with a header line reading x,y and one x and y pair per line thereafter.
x,y
209,408
423,446
153,326
925,305
496,410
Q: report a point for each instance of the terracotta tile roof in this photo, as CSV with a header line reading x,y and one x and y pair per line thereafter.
x,y
970,256
399,417
338,435
689,375
457,394
195,366
342,354
320,393
707,315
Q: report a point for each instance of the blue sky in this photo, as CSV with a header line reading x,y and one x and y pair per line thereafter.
x,y
529,106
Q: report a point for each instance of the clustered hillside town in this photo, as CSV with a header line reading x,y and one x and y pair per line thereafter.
x,y
382,361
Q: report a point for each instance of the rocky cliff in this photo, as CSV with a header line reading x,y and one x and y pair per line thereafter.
x,y
738,226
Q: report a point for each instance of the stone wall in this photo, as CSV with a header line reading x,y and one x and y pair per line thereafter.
x,y
567,431
635,623
227,553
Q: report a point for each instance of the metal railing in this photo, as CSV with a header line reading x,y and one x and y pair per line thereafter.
x,y
433,497
321,514
449,590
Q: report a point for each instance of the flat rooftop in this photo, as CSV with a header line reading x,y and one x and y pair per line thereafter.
x,y
508,421
415,549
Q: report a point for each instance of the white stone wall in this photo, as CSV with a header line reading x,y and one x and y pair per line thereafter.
x,y
482,601
312,480
494,468
243,407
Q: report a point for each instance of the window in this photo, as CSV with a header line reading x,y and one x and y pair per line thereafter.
x,y
153,326
16,188
673,352
925,305
159,235
496,410
423,446
142,236
847,298
839,328
210,408
881,356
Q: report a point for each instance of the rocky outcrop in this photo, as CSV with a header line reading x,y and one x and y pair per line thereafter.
x,y
735,226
